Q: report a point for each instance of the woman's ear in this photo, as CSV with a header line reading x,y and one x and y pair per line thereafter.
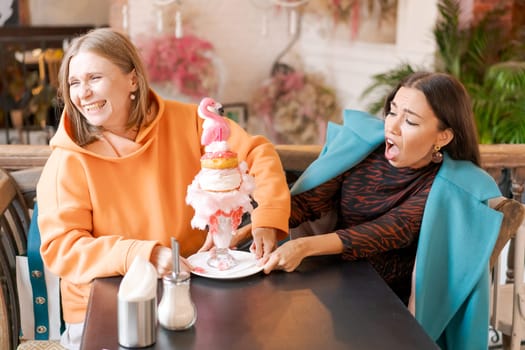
x,y
133,80
445,137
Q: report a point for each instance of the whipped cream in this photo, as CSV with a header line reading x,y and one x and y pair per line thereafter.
x,y
217,146
219,179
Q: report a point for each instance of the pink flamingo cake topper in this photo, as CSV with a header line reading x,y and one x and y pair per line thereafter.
x,y
219,210
215,126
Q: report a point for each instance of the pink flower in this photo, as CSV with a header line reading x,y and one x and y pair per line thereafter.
x,y
294,106
186,62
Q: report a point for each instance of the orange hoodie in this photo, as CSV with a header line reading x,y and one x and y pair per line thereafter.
x,y
97,213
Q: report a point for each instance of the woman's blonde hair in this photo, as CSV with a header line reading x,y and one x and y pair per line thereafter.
x,y
117,48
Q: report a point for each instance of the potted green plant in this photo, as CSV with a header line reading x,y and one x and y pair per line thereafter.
x,y
487,60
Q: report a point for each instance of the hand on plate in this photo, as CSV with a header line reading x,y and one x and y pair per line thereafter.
x,y
264,242
161,258
247,266
286,257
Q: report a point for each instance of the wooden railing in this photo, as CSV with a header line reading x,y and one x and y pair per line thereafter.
x,y
494,159
17,157
295,158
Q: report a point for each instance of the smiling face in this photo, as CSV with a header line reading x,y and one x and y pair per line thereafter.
x,y
100,90
412,130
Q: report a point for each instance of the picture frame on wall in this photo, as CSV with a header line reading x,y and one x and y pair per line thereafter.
x,y
238,112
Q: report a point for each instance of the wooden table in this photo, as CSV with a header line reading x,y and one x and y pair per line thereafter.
x,y
325,304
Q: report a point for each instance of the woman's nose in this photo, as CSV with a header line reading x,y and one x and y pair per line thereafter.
x,y
394,125
85,90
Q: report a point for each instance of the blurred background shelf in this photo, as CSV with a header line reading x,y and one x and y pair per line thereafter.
x,y
30,57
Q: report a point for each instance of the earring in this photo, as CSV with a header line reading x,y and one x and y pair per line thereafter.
x,y
437,156
132,97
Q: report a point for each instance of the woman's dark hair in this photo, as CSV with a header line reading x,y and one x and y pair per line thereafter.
x,y
451,104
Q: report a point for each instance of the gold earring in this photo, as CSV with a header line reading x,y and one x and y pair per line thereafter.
x,y
437,156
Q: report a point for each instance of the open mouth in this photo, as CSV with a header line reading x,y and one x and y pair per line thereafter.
x,y
92,107
391,149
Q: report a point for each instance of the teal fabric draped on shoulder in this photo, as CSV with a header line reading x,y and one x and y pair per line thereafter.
x,y
346,145
457,235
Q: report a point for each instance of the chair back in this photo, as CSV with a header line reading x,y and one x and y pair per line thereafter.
x,y
508,300
14,226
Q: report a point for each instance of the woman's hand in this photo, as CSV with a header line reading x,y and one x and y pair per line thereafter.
x,y
264,242
161,258
287,257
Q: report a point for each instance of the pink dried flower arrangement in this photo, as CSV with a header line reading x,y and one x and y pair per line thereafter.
x,y
295,107
185,62
350,11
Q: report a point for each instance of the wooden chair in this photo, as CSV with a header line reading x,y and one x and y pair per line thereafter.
x,y
508,300
15,199
14,226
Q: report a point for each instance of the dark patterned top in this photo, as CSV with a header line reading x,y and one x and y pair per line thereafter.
x,y
380,208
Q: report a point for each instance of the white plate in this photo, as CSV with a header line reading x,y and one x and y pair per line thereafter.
x,y
247,266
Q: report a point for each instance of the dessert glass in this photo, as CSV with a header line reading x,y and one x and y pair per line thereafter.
x,y
220,257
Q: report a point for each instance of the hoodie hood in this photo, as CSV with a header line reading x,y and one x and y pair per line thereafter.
x,y
63,137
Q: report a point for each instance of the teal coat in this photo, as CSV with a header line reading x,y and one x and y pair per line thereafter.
x,y
458,233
